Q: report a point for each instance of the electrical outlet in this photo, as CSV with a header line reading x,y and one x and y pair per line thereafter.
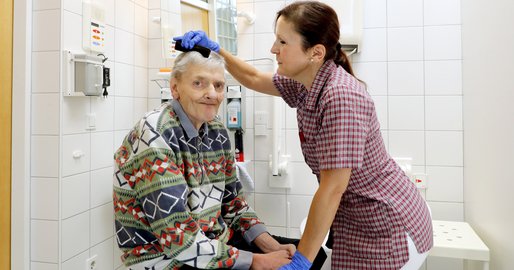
x,y
91,263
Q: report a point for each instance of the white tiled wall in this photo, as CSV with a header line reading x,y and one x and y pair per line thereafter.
x,y
411,61
71,165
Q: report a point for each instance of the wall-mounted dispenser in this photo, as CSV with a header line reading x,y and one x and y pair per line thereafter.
x,y
83,74
234,120
350,15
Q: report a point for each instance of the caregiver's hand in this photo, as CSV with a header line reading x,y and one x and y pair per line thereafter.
x,y
299,262
199,37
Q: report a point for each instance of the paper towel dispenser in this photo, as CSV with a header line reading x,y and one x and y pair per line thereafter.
x,y
83,74
350,14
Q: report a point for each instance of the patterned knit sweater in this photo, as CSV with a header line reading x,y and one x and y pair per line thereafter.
x,y
176,196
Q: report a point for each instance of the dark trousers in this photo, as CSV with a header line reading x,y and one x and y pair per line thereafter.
x,y
238,242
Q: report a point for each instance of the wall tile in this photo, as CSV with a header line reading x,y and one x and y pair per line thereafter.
x,y
447,211
123,113
44,156
101,186
117,254
404,13
109,44
74,114
74,6
444,148
438,12
76,154
271,209
124,15
110,12
141,51
408,144
405,78
374,74
261,179
102,218
243,27
140,107
141,21
44,203
46,28
154,4
101,149
43,266
124,79
443,42
141,82
104,251
445,184
443,77
262,46
44,239
405,44
374,46
375,13
45,4
103,108
76,262
293,146
75,235
72,31
291,122
443,112
406,113
249,144
124,47
154,29
245,46
155,56
153,89
45,72
304,181
300,206
45,114
249,110
75,194
265,13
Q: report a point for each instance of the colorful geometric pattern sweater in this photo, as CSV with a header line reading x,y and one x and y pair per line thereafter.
x,y
176,197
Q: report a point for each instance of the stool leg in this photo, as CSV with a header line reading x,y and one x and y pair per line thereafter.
x,y
486,265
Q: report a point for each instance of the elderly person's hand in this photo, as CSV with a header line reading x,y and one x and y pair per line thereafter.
x,y
270,261
192,38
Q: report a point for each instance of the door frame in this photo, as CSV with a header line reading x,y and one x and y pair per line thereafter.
x,y
21,113
6,64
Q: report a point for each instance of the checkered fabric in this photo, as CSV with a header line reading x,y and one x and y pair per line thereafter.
x,y
339,128
177,200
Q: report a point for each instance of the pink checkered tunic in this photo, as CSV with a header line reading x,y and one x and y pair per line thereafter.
x,y
338,128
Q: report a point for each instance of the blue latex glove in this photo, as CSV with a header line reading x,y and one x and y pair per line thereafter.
x,y
299,262
199,37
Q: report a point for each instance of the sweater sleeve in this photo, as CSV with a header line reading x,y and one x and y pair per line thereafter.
x,y
235,210
160,208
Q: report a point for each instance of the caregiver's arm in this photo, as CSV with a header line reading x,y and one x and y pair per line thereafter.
x,y
248,75
333,184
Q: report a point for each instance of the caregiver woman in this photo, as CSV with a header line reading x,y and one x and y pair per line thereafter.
x,y
377,216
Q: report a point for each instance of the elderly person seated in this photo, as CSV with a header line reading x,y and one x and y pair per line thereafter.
x,y
178,203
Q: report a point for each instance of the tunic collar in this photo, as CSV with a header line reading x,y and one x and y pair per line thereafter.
x,y
328,68
191,131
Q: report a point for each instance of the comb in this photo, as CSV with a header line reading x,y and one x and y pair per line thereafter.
x,y
205,52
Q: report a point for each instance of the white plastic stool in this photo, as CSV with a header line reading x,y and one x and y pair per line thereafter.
x,y
453,239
